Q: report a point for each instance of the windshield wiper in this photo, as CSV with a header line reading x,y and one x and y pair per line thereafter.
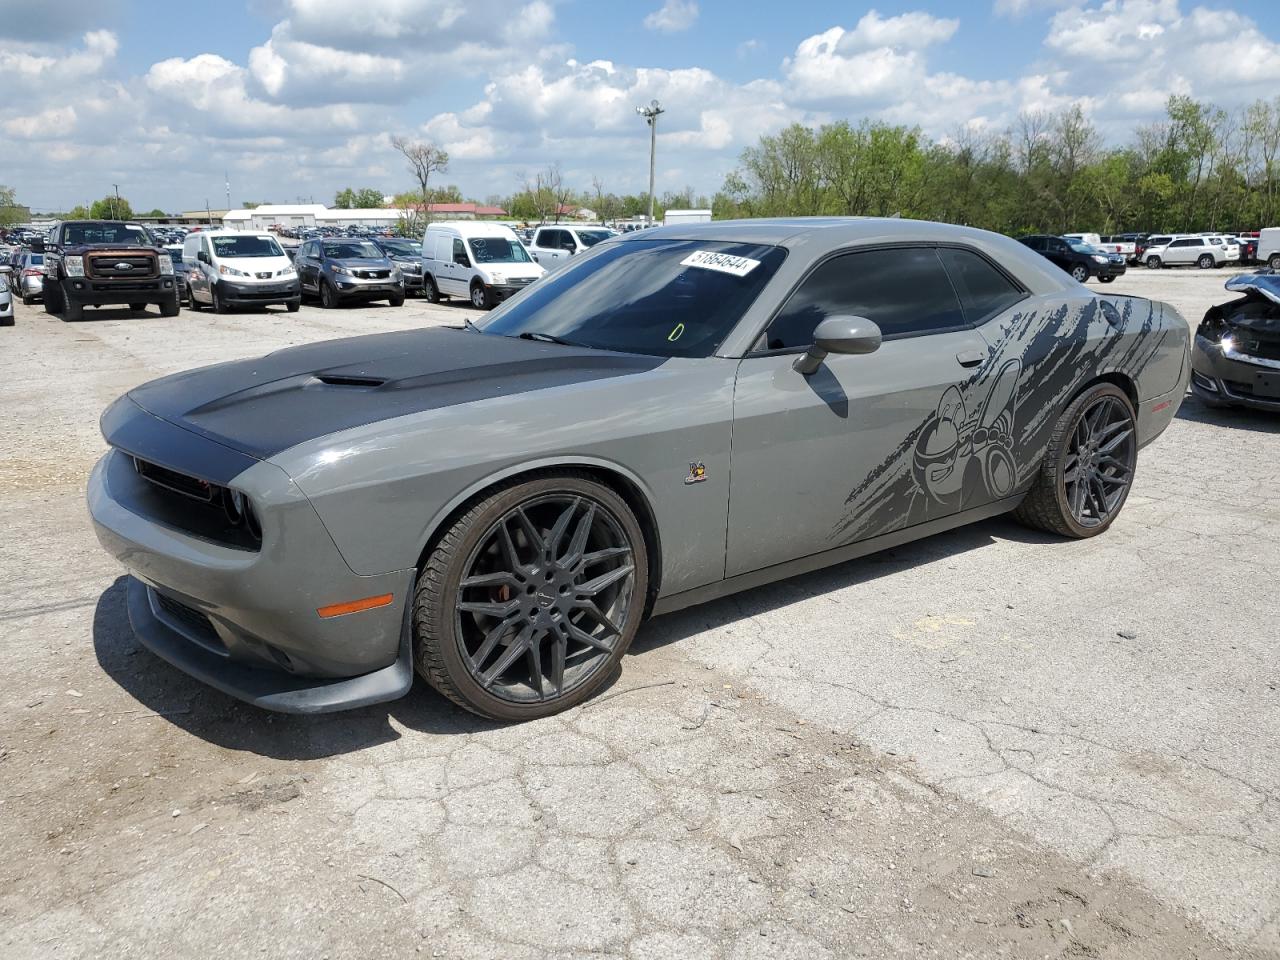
x,y
548,337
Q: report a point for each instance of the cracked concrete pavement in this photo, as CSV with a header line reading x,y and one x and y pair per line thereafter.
x,y
987,743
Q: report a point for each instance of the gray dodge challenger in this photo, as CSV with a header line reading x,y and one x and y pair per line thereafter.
x,y
681,413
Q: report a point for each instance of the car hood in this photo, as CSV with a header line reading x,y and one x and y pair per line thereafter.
x,y
361,263
263,406
1263,284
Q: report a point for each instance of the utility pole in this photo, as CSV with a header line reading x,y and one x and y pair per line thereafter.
x,y
650,114
115,206
226,177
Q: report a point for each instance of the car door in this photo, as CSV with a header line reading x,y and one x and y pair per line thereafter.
x,y
198,276
1059,251
458,282
1182,251
867,444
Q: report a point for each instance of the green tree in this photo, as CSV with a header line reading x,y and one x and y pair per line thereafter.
x,y
110,208
9,212
157,212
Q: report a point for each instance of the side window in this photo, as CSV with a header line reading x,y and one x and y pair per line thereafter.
x,y
568,241
542,238
460,252
905,291
984,290
1036,244
1185,243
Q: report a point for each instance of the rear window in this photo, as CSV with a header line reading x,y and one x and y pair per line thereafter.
x,y
984,291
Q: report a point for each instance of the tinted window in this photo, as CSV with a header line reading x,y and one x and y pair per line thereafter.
x,y
645,296
460,253
984,290
351,250
905,291
1185,243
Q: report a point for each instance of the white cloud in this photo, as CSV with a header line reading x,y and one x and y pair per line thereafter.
x,y
673,16
910,31
52,124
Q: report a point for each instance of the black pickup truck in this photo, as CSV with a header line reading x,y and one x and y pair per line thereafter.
x,y
101,262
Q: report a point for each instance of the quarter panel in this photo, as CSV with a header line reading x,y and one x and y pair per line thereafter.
x,y
382,489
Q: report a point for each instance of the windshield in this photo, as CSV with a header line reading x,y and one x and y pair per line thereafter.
x,y
78,233
668,298
590,238
226,248
351,250
400,248
497,250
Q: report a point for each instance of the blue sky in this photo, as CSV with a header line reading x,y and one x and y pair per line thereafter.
x,y
300,97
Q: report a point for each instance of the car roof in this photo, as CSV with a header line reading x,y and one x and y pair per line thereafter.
x,y
833,232
474,228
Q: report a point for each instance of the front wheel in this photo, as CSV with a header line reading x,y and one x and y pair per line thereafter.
x,y
72,312
52,297
328,296
1205,262
219,303
1105,279
529,601
293,306
480,298
1080,273
396,300
1274,262
1153,263
171,308
1088,469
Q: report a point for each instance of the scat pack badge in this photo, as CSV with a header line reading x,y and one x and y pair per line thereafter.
x,y
697,472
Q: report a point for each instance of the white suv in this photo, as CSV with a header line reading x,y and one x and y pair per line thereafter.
x,y
1185,251
553,246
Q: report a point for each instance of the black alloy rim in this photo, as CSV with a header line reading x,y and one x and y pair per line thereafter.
x,y
1100,460
544,598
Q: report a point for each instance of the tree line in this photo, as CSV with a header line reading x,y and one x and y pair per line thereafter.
x,y
1198,168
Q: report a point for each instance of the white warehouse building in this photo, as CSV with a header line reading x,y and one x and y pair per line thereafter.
x,y
307,215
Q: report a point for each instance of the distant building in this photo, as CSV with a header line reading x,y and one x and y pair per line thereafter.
x,y
295,215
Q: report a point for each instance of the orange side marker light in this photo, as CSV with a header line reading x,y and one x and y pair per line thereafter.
x,y
355,606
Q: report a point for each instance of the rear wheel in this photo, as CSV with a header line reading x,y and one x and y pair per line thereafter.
x,y
1080,273
1274,262
431,290
1086,474
27,300
1154,263
1205,262
529,601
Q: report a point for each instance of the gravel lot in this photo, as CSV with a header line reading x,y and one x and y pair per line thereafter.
x,y
991,743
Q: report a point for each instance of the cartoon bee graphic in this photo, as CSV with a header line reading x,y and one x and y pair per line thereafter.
x,y
697,472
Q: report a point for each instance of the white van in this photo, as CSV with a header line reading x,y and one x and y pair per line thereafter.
x,y
1269,247
1092,239
227,268
484,262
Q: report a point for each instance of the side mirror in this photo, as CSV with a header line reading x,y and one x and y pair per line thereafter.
x,y
37,246
839,335
202,256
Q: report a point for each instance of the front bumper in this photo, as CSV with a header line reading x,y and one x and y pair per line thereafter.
x,y
501,291
1218,378
353,288
6,307
1111,271
280,291
85,290
245,621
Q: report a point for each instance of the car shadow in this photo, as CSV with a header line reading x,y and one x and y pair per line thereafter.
x,y
226,722
1239,418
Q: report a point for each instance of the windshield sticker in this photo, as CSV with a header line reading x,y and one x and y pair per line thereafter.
x,y
720,262
676,332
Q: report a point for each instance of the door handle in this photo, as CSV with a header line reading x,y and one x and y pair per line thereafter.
x,y
970,358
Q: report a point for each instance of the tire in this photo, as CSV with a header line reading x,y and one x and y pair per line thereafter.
x,y
1206,262
1080,273
219,305
52,298
430,289
171,308
397,300
8,321
137,307
293,306
538,607
1105,279
1274,262
72,312
1046,506
480,298
27,301
328,297
1154,263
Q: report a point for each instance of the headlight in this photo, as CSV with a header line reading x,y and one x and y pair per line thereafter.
x,y
4,284
74,266
1227,343
396,274
1100,259
287,272
340,270
166,267
497,278
230,271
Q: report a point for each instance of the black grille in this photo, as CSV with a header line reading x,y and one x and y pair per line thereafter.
x,y
177,482
1257,347
373,274
126,266
519,281
194,624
